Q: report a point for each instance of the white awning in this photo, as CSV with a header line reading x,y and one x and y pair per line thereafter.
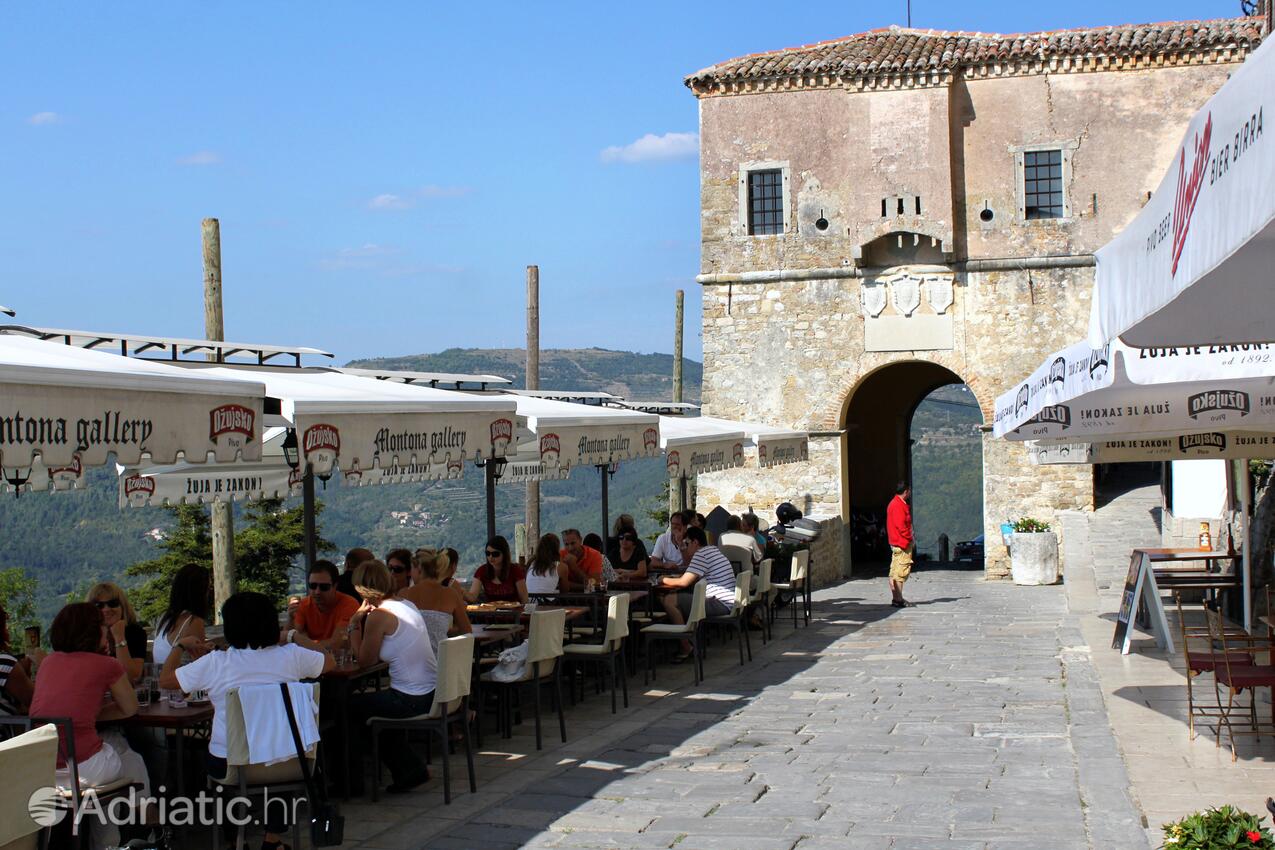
x,y
700,444
1194,446
65,407
570,435
1195,266
388,431
775,446
1085,394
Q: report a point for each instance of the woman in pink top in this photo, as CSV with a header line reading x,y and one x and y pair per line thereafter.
x,y
71,682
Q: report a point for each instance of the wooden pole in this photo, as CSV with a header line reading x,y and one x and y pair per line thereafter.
x,y
223,525
677,495
533,383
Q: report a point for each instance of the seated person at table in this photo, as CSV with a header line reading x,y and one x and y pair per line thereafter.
x,y
181,626
15,681
623,523
630,560
707,564
668,546
353,558
125,637
441,608
735,536
750,524
449,575
393,631
583,563
71,683
545,573
422,555
399,563
322,616
594,542
254,657
499,579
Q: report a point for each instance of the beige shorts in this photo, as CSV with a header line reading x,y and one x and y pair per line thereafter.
x,y
900,563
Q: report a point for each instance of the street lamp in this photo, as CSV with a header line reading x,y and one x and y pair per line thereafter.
x,y
291,450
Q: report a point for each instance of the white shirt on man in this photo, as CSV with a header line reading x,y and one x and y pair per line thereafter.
x,y
666,550
743,541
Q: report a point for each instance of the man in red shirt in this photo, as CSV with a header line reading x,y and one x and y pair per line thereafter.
x,y
898,528
583,562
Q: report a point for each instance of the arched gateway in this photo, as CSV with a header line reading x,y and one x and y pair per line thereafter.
x,y
902,209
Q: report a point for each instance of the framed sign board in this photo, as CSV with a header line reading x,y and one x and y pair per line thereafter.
x,y
1140,586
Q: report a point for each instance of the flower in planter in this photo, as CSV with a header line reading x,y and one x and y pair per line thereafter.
x,y
1028,525
1217,828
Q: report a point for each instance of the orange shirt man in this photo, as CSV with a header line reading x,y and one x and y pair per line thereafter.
x,y
326,611
583,563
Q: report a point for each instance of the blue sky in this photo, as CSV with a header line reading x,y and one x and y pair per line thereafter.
x,y
384,172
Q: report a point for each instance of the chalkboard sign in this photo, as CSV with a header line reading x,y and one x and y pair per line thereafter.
x,y
1128,601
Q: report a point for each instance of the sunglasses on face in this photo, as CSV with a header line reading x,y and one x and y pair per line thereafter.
x,y
320,585
492,553
398,570
628,539
107,603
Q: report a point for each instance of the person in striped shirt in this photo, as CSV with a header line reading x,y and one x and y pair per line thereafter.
x,y
704,563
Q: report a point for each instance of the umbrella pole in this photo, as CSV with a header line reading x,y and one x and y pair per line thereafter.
x,y
606,519
489,469
307,510
681,489
1241,479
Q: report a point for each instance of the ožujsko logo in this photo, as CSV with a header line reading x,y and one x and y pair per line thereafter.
x,y
66,477
761,454
737,454
1056,414
321,446
1211,440
1189,186
651,439
1215,401
502,433
229,420
455,468
674,464
1022,399
1098,362
138,488
1058,370
550,448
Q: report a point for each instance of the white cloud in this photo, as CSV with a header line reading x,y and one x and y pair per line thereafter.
x,y
653,148
200,158
387,201
41,118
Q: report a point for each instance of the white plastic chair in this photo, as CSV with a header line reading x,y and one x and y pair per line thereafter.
x,y
27,762
760,597
609,651
451,705
736,617
799,583
741,559
670,631
544,648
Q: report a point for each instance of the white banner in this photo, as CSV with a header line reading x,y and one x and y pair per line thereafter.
x,y
412,443
704,456
1193,446
1195,265
1083,393
594,445
775,450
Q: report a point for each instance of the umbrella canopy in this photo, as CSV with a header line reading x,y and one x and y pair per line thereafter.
x,y
701,444
569,435
1086,394
1230,445
385,431
1194,267
184,483
66,408
775,446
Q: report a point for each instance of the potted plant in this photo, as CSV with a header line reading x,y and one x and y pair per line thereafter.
x,y
1033,558
1215,829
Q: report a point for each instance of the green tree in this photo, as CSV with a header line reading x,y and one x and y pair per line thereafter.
x,y
17,596
268,545
189,542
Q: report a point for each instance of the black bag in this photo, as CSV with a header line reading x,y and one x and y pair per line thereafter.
x,y
327,824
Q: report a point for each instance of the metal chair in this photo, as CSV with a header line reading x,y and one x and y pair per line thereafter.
x,y
544,649
736,618
1231,674
690,631
608,653
1200,656
451,705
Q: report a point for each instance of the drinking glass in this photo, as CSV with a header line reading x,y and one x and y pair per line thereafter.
x,y
143,692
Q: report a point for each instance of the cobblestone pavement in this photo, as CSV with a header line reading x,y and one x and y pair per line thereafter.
x,y
973,720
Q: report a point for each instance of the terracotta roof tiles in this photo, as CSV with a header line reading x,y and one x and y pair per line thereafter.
x,y
899,50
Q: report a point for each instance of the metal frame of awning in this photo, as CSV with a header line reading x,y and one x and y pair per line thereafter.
x,y
591,397
168,348
664,408
433,379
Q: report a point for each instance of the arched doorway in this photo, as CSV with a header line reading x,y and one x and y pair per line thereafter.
x,y
881,450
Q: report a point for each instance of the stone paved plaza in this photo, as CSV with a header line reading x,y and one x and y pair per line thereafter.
x,y
974,720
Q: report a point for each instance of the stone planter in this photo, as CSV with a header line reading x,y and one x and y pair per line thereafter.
x,y
1033,557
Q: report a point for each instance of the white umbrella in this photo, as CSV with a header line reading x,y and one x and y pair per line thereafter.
x,y
1085,394
775,446
1200,445
64,408
1195,266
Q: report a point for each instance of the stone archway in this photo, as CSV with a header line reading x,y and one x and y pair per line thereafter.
x,y
877,452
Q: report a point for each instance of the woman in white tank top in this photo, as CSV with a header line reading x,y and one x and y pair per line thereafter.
x,y
545,573
393,631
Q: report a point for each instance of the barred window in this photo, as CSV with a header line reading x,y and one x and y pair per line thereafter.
x,y
765,202
1042,184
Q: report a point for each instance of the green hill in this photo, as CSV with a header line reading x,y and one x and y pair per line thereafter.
x,y
947,468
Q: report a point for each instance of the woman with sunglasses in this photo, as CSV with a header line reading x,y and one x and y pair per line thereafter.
x,y
630,556
125,637
399,563
181,626
499,579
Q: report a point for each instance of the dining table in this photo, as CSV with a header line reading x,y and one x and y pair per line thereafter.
x,y
335,688
179,720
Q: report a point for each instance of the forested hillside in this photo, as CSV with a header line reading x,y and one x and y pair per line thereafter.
x,y
947,468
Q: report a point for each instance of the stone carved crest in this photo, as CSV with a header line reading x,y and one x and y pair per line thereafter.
x,y
938,291
874,295
905,292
